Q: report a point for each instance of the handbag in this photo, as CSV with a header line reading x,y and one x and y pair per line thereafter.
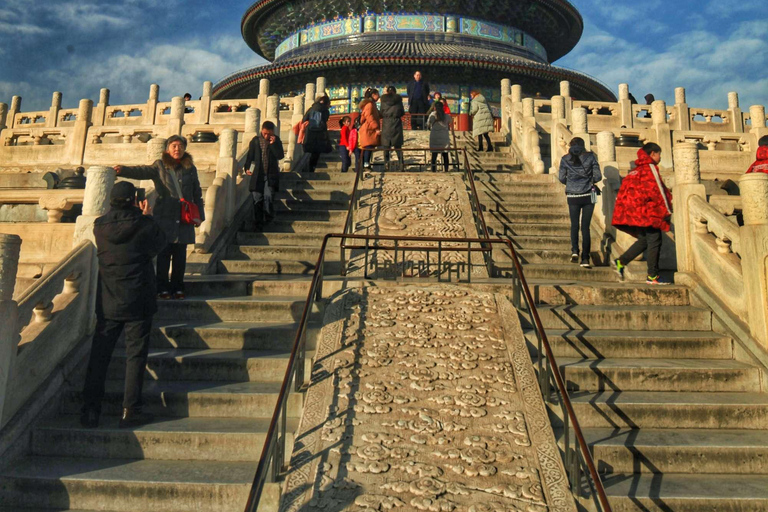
x,y
189,211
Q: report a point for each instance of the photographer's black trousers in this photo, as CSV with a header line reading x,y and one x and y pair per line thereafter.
x,y
136,350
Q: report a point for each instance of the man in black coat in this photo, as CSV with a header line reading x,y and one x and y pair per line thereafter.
x,y
418,100
263,160
126,240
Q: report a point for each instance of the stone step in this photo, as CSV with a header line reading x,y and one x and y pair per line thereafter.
x,y
280,253
497,207
213,439
278,267
542,242
556,256
213,285
282,224
281,239
321,214
315,194
194,398
209,365
671,409
526,194
224,335
565,272
236,309
593,293
511,230
689,451
500,188
501,179
553,216
596,344
127,485
709,375
612,317
687,493
309,205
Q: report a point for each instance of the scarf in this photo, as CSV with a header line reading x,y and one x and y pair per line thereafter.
x,y
264,143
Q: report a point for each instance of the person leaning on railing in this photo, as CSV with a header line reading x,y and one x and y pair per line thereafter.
x,y
178,186
127,238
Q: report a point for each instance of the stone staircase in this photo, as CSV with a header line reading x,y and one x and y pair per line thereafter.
x,y
215,367
675,418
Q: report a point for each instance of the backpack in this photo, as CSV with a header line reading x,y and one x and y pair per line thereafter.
x,y
315,120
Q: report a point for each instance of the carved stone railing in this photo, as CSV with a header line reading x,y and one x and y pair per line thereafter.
x,y
520,126
57,312
56,202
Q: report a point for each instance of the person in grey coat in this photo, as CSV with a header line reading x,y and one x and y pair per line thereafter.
x,y
579,171
175,177
482,120
439,134
392,112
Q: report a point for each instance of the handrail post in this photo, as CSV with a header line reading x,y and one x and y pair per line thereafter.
x,y
10,247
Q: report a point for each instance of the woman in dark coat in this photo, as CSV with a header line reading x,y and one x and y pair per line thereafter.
x,y
264,154
316,140
175,177
392,112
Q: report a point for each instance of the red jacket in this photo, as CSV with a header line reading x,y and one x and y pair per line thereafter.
x,y
639,203
761,164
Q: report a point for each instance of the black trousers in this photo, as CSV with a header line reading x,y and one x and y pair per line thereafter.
x,y
581,212
399,153
434,161
480,141
313,159
346,161
136,348
417,108
176,253
648,238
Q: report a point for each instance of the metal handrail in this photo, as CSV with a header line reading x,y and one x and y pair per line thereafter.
x,y
273,452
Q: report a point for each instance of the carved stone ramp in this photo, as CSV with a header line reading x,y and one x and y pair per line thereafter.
x,y
424,398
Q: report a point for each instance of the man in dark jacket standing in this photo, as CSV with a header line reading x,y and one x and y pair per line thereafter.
x,y
126,239
392,112
263,164
418,100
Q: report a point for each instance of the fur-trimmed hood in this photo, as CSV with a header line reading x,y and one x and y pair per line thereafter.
x,y
186,161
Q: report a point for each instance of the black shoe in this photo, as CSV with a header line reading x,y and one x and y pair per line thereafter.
x,y
135,418
489,150
89,417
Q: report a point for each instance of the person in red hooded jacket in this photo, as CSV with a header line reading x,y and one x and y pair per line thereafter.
x,y
761,164
643,210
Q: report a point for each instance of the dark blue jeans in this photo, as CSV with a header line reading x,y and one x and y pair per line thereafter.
x,y
584,211
346,161
367,154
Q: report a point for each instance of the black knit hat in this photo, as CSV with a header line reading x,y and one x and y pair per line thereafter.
x,y
123,193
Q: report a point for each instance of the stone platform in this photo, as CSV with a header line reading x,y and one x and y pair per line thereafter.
x,y
424,398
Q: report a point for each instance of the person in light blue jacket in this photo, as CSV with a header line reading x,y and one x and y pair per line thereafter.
x,y
579,172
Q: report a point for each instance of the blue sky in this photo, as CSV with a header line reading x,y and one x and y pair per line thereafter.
x,y
78,46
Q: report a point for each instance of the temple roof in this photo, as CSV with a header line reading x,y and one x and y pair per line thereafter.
x,y
399,54
556,24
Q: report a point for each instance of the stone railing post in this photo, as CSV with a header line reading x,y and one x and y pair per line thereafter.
x,y
517,96
320,86
606,201
754,251
100,112
580,125
506,115
204,116
506,87
558,118
683,113
663,131
295,151
252,125
155,150
150,114
3,117
273,111
625,107
15,109
261,100
53,113
757,121
529,108
227,169
79,137
10,246
176,119
687,185
565,92
734,111
98,186
309,96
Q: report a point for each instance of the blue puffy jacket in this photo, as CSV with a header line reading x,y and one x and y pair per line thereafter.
x,y
578,178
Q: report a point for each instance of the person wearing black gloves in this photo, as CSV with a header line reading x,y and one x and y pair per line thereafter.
x,y
127,238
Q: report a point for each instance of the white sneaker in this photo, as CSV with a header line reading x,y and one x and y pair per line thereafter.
x,y
574,258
